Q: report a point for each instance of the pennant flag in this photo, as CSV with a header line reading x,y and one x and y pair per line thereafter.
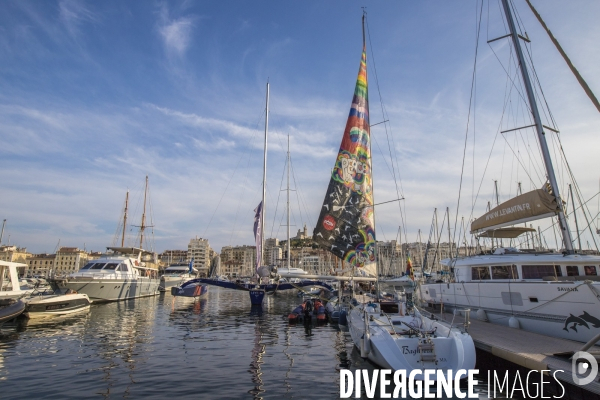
x,y
258,233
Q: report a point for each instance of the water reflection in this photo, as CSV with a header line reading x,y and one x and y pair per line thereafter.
x,y
152,348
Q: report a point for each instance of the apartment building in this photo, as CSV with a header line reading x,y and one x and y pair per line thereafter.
x,y
69,260
200,251
40,264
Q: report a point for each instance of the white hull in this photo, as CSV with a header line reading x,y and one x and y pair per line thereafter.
x,y
53,305
167,282
391,347
107,289
567,310
551,302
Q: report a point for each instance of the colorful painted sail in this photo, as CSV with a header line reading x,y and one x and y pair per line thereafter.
x,y
409,268
346,224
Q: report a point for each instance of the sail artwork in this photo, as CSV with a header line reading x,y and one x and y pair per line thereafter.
x,y
346,223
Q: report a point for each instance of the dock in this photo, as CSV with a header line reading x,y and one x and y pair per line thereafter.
x,y
530,350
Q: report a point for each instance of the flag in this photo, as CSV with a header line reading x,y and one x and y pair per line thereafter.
x,y
409,268
191,265
258,233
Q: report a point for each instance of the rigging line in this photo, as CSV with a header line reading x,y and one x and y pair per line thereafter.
x,y
299,197
578,76
278,198
384,114
239,204
471,105
577,189
518,158
250,140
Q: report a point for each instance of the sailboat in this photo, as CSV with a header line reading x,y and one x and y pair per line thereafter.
x,y
119,274
390,335
257,289
555,294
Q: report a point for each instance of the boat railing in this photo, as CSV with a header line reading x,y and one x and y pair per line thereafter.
x,y
98,275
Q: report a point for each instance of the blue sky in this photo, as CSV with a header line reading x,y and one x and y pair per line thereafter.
x,y
94,96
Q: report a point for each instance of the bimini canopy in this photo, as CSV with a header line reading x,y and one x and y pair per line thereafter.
x,y
526,207
505,233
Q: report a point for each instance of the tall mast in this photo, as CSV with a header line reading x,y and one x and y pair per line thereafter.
x,y
288,205
2,232
562,220
264,194
143,226
125,219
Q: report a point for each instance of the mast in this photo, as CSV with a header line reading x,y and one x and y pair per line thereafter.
x,y
2,232
143,226
264,194
125,219
575,215
288,205
370,161
562,220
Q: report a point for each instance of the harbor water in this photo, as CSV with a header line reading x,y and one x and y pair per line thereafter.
x,y
218,347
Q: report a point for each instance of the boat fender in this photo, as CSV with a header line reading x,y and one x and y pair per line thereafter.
x,y
342,320
514,323
481,315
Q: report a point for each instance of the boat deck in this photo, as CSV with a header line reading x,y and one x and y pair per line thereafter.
x,y
526,349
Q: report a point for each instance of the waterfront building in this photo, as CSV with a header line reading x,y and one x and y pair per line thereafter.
x,y
238,261
14,254
200,251
41,264
69,260
168,257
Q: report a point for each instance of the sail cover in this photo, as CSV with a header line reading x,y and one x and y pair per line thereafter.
x,y
346,224
526,207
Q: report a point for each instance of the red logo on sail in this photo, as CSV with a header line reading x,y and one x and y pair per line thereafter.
x,y
329,223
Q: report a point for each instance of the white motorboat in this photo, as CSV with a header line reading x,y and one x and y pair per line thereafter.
x,y
556,294
114,276
175,275
43,305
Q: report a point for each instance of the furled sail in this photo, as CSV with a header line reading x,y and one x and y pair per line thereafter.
x,y
346,224
526,207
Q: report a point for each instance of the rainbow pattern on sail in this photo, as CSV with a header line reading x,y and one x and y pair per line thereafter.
x,y
346,223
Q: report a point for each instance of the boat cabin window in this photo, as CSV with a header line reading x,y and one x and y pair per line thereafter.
x,y
540,271
480,273
122,267
111,266
590,270
572,270
505,272
97,266
88,265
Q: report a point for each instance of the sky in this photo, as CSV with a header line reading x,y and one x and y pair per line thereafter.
x,y
95,96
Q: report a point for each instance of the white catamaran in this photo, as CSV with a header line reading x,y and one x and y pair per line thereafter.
x,y
551,293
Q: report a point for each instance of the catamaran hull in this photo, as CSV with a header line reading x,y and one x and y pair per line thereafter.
x,y
566,310
105,290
